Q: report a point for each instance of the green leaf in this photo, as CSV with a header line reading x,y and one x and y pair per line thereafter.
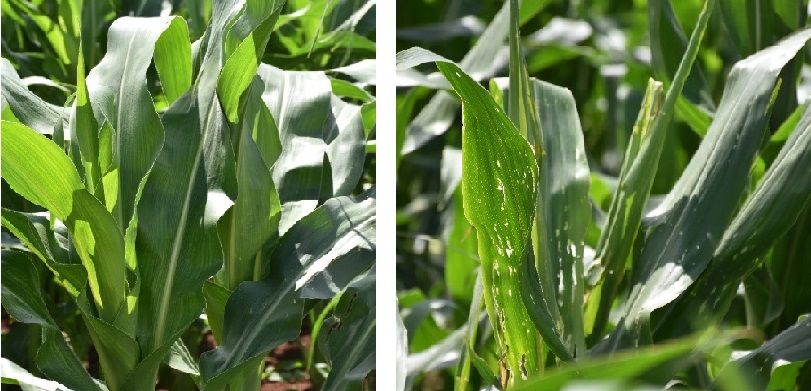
x,y
177,244
50,245
216,299
519,100
498,183
441,355
461,257
563,210
785,376
762,299
668,43
745,21
57,360
53,183
697,211
49,183
22,298
31,110
368,112
756,25
405,109
472,335
119,95
346,89
771,210
245,43
412,57
437,116
792,345
627,204
312,121
218,151
766,216
15,374
94,15
401,354
319,256
623,366
118,351
180,359
352,320
538,309
789,264
173,60
254,218
85,130
488,377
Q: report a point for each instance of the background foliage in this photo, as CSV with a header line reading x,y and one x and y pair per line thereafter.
x,y
604,53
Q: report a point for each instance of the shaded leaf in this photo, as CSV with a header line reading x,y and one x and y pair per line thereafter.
x,y
353,320
318,257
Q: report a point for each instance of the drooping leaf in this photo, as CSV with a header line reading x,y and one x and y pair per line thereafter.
x,y
436,117
696,213
443,354
792,345
31,110
538,309
624,366
563,210
22,297
767,214
498,184
54,184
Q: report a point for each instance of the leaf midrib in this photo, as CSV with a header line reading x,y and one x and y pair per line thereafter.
x,y
178,241
119,111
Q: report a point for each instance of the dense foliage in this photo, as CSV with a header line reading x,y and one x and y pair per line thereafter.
x,y
187,186
629,207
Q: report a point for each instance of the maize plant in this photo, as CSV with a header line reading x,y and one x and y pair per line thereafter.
x,y
560,265
187,184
